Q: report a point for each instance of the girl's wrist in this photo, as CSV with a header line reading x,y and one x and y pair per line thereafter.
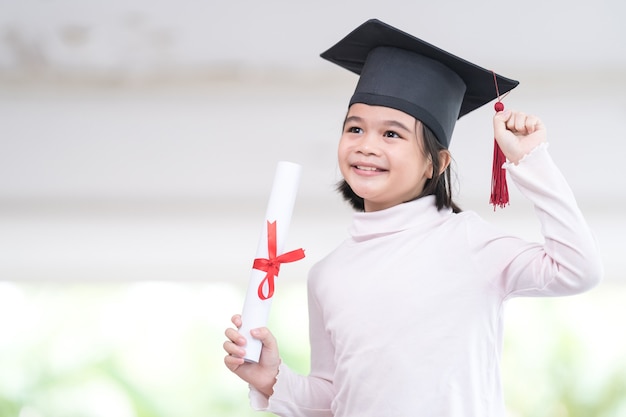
x,y
268,388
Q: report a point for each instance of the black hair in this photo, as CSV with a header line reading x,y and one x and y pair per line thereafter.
x,y
440,185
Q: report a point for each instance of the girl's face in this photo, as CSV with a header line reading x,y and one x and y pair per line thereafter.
x,y
381,156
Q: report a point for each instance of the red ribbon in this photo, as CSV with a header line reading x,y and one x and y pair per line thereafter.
x,y
272,264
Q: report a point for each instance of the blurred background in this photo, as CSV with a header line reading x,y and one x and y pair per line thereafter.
x,y
138,142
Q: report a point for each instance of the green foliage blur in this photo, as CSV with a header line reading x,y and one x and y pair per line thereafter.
x,y
154,349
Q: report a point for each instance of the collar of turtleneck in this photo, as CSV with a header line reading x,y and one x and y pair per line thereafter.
x,y
420,213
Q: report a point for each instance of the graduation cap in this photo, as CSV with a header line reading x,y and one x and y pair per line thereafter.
x,y
403,72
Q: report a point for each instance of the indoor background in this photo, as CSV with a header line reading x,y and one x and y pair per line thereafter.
x,y
138,143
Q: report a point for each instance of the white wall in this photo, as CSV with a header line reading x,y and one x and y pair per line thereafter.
x,y
138,141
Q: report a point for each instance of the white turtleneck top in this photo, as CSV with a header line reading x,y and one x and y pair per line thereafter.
x,y
405,316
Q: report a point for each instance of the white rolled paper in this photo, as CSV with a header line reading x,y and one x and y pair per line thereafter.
x,y
279,209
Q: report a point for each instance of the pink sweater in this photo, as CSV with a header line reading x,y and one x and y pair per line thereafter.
x,y
406,314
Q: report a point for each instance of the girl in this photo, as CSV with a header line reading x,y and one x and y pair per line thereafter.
x,y
406,314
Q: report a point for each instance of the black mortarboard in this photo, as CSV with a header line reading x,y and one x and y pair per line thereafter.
x,y
400,71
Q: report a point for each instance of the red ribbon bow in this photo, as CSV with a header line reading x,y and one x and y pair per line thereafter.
x,y
272,264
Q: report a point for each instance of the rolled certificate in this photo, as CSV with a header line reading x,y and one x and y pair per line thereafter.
x,y
270,255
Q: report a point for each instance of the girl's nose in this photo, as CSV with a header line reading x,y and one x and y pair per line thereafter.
x,y
368,145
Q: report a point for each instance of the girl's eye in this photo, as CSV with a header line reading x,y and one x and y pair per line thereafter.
x,y
391,134
354,129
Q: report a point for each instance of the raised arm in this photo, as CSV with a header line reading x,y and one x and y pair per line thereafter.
x,y
568,261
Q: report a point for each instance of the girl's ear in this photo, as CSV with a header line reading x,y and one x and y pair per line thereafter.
x,y
444,160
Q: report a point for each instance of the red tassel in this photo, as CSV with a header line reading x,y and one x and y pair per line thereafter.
x,y
499,189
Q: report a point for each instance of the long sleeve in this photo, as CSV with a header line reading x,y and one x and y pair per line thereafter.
x,y
304,396
568,261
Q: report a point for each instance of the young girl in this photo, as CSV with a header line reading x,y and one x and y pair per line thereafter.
x,y
406,314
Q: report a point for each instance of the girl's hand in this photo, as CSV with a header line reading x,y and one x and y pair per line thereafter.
x,y
517,133
262,375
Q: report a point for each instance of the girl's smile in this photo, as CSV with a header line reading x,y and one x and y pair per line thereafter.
x,y
367,169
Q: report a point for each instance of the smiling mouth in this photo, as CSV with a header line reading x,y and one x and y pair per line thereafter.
x,y
369,168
